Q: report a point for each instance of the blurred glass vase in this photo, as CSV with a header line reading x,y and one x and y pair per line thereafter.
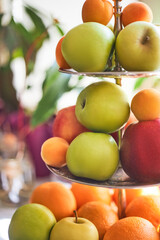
x,y
17,174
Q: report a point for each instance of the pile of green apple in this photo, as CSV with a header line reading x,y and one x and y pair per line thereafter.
x,y
89,46
36,222
102,108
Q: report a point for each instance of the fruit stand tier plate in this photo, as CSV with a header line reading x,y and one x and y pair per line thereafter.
x,y
118,180
113,74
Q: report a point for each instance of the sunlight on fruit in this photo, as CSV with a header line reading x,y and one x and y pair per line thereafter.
x,y
158,229
151,191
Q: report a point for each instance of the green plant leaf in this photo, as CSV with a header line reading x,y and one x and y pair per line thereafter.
x,y
60,30
1,16
139,82
21,32
56,85
37,21
29,87
35,10
20,37
80,77
7,90
10,37
51,74
18,52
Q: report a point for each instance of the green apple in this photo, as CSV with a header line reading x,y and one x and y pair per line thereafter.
x,y
93,155
138,47
69,229
87,47
102,107
31,222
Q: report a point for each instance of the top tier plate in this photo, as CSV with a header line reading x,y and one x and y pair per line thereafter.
x,y
113,74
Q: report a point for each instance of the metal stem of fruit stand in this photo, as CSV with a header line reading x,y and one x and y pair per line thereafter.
x,y
117,29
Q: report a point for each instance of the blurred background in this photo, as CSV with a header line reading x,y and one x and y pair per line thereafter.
x,y
32,90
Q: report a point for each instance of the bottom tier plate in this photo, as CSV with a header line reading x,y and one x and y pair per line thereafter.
x,y
118,180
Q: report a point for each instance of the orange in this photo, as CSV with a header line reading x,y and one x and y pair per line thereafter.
x,y
147,207
100,214
132,228
84,193
53,151
59,56
130,195
146,104
136,11
100,11
58,198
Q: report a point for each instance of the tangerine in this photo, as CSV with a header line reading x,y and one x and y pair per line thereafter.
x,y
53,151
59,56
136,11
100,214
84,193
146,104
147,207
100,11
132,228
57,197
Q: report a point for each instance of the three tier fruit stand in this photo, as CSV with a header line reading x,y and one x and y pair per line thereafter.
x,y
119,180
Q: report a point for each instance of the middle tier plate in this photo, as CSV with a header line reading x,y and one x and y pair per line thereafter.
x,y
113,74
118,180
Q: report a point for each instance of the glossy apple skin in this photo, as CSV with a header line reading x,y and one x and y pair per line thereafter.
x,y
31,221
140,151
102,107
68,229
138,47
66,125
93,155
86,47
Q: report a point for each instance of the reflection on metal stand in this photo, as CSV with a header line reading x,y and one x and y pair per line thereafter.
x,y
121,203
117,29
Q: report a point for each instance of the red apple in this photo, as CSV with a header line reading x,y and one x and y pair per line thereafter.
x,y
115,136
132,119
140,151
66,124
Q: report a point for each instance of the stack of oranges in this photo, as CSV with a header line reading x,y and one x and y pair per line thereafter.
x,y
99,205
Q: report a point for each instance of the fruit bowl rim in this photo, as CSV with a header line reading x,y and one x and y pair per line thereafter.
x,y
113,74
119,179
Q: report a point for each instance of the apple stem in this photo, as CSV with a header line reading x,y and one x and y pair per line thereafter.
x,y
76,216
83,103
118,81
145,40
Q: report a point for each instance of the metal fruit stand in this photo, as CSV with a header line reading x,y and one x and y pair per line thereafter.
x,y
119,179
